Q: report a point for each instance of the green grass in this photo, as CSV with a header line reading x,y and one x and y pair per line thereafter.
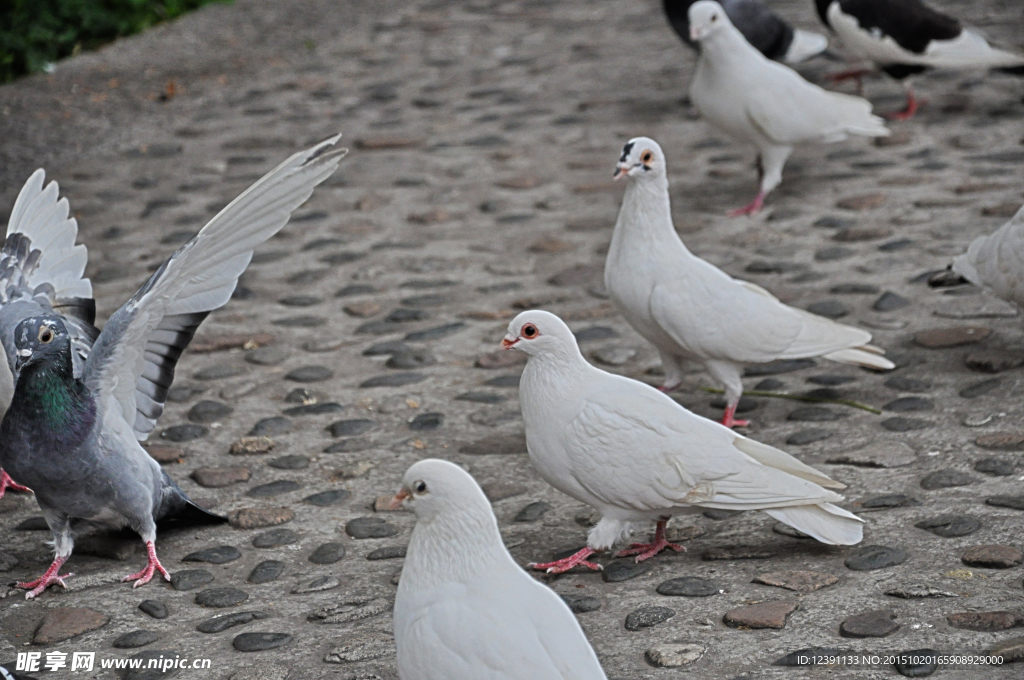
x,y
37,33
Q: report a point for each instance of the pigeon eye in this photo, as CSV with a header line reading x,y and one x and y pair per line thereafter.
x,y
45,335
714,18
419,487
530,331
647,157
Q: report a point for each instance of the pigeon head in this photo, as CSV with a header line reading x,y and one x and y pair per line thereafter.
x,y
706,19
436,487
641,158
540,333
40,338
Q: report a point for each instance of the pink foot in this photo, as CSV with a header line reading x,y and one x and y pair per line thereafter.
x,y
753,208
577,560
730,421
146,575
669,388
7,483
43,582
909,111
645,551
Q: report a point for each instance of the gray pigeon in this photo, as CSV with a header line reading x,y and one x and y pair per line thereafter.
x,y
75,440
42,272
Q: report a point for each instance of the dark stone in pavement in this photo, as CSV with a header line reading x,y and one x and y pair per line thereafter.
x,y
688,586
581,604
328,553
154,608
275,538
623,570
369,527
134,639
259,642
950,526
221,597
222,554
221,623
647,616
265,572
190,578
874,624
944,479
872,557
326,498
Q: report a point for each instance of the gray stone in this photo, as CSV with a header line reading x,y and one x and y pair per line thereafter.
x,y
413,358
435,332
327,498
275,538
889,302
272,489
190,579
581,604
881,455
308,374
265,572
778,366
624,570
260,642
319,409
918,590
221,597
219,624
184,433
317,585
871,557
905,384
154,608
900,424
393,380
814,414
909,404
944,479
426,421
481,397
950,526
689,586
532,512
390,552
328,553
369,527
268,427
873,624
222,554
831,309
977,389
209,411
219,372
668,655
647,616
804,437
293,462
1012,502
351,428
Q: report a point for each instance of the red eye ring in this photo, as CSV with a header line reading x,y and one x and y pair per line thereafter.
x,y
529,331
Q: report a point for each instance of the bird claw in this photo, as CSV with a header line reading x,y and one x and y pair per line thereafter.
x,y
51,576
645,551
7,483
559,566
729,420
752,208
153,565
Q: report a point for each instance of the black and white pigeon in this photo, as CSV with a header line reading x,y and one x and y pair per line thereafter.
x,y
42,271
765,103
763,28
74,439
906,37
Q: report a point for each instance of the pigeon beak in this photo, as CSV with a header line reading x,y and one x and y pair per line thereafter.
x,y
621,171
400,497
509,342
695,33
23,356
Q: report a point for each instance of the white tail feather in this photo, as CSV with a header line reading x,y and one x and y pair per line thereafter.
x,y
866,356
804,46
826,522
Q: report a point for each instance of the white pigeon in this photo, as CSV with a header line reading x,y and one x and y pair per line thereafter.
x,y
465,610
906,37
635,455
690,309
995,262
763,102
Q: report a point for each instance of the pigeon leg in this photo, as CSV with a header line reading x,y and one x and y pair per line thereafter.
x,y
910,110
729,420
577,560
852,74
153,565
7,483
644,551
50,577
752,208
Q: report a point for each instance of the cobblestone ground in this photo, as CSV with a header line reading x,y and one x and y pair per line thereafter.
x,y
484,135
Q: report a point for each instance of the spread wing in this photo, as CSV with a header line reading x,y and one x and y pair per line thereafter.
x,y
133,360
41,272
633,447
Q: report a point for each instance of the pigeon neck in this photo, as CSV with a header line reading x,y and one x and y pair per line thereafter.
x,y
452,547
646,215
52,403
726,49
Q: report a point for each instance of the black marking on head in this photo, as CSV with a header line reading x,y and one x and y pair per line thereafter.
x,y
626,150
645,167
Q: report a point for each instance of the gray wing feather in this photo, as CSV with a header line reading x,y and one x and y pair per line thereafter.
x,y
132,363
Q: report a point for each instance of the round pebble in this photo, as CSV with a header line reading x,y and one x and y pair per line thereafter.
x,y
532,512
944,479
293,462
326,498
275,538
190,579
308,374
269,427
648,616
221,623
426,421
950,526
351,428
328,553
222,554
221,597
154,608
413,358
265,572
688,586
581,604
872,557
260,642
804,437
184,433
623,570
209,411
136,638
273,489
369,527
